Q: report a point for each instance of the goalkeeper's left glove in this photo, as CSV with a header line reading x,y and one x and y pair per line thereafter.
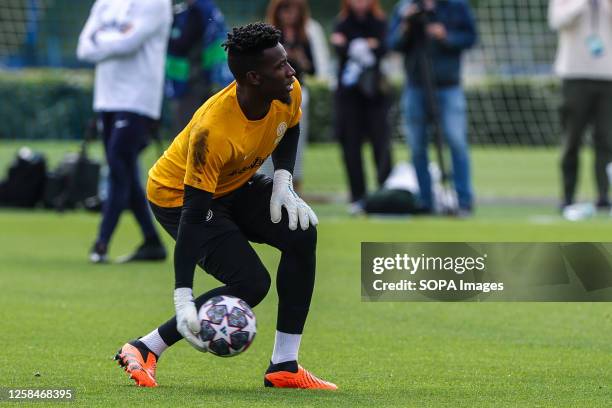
x,y
284,196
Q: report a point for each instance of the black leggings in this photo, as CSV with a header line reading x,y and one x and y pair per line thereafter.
x,y
240,217
358,117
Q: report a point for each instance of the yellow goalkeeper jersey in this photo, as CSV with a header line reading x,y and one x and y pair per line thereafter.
x,y
220,149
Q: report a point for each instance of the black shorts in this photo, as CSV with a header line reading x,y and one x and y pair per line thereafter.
x,y
232,221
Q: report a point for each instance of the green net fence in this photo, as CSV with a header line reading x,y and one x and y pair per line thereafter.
x,y
512,94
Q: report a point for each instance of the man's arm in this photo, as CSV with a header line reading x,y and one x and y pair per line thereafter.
x,y
86,48
109,43
190,35
196,204
405,27
562,13
284,155
205,159
464,35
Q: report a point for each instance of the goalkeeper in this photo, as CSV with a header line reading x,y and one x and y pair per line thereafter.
x,y
206,195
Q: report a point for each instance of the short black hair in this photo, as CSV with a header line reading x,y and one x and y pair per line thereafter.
x,y
245,44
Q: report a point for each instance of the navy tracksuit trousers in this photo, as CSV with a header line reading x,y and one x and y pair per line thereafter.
x,y
125,135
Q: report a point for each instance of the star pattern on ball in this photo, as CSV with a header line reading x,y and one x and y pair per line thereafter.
x,y
227,325
223,330
226,301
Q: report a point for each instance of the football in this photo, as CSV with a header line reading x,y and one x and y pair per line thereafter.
x,y
228,325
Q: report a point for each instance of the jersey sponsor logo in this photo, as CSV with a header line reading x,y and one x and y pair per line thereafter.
x,y
280,132
254,164
209,215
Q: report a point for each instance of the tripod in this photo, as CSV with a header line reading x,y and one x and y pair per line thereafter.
x,y
447,201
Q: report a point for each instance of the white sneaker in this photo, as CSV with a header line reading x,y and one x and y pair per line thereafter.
x,y
98,255
356,208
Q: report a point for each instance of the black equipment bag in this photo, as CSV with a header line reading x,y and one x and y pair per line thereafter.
x,y
74,182
25,181
392,202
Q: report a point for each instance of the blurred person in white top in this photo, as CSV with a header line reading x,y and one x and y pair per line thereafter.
x,y
584,63
127,40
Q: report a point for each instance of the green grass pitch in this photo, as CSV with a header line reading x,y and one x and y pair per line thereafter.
x,y
63,319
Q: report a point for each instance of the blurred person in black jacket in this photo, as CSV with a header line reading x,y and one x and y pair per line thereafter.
x,y
197,64
361,105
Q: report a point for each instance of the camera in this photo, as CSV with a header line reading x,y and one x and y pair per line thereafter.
x,y
422,15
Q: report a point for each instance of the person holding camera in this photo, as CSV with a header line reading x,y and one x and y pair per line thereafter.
x,y
584,63
432,35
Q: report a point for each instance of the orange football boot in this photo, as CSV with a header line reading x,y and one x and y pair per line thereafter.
x,y
300,379
139,368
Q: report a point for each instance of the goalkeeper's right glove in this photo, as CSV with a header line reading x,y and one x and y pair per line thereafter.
x,y
187,322
283,195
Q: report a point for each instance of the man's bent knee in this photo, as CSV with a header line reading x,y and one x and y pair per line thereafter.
x,y
301,241
254,290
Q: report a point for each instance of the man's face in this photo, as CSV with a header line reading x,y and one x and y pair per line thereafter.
x,y
276,75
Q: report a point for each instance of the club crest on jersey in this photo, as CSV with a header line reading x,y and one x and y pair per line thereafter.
x,y
209,215
280,132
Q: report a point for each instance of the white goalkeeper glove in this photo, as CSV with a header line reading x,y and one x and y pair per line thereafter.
x,y
284,196
187,322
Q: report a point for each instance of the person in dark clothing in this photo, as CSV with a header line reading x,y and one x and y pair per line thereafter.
x,y
196,64
361,105
584,64
435,31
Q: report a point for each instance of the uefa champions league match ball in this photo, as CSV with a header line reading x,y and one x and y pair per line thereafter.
x,y
228,325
